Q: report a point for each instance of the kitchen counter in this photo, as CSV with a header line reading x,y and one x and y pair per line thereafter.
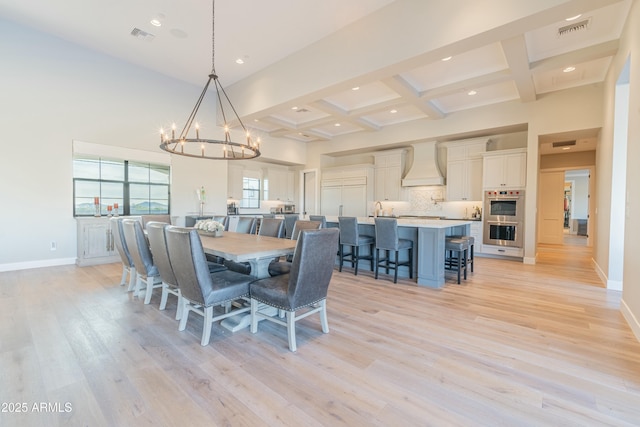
x,y
428,236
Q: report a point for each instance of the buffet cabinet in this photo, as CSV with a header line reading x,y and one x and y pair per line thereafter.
x,y
96,243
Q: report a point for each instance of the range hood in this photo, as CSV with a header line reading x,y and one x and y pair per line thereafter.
x,y
424,170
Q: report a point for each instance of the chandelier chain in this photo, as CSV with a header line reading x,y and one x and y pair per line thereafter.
x,y
213,36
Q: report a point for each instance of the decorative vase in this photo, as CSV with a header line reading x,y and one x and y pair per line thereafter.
x,y
210,233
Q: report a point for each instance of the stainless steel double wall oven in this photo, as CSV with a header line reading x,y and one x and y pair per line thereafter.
x,y
503,218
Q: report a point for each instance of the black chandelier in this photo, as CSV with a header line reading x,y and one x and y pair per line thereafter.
x,y
215,149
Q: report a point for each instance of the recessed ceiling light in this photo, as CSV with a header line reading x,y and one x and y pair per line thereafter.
x,y
447,58
256,120
294,108
355,88
157,19
573,18
568,69
240,61
471,92
393,111
337,125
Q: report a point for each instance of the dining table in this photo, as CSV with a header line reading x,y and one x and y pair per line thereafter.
x,y
257,250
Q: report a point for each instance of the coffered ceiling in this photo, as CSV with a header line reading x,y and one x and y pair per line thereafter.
x,y
549,54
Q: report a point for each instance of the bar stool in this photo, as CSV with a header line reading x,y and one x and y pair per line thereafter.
x,y
387,239
471,241
350,236
460,248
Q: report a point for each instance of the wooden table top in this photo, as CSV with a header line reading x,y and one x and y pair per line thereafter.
x,y
241,247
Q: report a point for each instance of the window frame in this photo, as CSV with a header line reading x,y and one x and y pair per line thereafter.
x,y
124,202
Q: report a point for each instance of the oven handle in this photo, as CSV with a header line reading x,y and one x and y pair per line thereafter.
x,y
503,222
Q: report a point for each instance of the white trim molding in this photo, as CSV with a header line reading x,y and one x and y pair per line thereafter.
x,y
630,318
36,264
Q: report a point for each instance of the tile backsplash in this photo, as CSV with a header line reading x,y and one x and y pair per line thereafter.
x,y
429,201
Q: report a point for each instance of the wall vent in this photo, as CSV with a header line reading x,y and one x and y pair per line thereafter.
x,y
564,144
142,35
574,27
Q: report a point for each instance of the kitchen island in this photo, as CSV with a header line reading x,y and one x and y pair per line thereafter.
x,y
428,236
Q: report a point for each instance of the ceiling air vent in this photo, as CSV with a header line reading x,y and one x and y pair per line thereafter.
x,y
574,27
142,35
564,144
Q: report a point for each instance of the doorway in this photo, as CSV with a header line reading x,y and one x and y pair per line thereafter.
x,y
309,192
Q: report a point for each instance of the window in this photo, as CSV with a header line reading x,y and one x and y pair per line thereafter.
x,y
137,188
250,192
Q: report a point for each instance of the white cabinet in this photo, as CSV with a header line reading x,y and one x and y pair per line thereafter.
x,y
234,182
464,169
346,191
505,169
95,242
389,167
281,186
476,233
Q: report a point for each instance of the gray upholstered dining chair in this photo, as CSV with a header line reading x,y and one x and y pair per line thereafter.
x,y
201,290
350,236
277,268
387,239
246,225
158,246
306,286
289,223
321,218
146,271
222,219
121,246
271,227
146,219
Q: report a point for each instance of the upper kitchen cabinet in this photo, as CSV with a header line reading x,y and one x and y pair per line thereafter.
x,y
281,185
389,167
505,168
464,169
234,182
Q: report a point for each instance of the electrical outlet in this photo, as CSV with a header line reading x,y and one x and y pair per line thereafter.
x,y
53,245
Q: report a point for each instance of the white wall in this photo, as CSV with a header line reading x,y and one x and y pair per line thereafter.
x,y
629,49
54,92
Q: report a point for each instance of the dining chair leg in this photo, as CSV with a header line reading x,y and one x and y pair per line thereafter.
x,y
123,279
377,261
340,252
185,314
132,279
254,316
179,309
165,296
291,330
149,291
206,327
323,317
138,289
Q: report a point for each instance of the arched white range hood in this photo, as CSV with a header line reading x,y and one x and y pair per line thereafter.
x,y
425,169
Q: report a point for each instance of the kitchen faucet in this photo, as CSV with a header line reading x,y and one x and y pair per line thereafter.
x,y
378,204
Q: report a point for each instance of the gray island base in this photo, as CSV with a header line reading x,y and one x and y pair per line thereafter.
x,y
428,236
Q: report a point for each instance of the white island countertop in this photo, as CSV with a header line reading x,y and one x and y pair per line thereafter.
x,y
412,222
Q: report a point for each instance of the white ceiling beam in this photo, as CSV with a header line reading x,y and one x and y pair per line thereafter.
x,y
590,53
398,84
466,85
515,51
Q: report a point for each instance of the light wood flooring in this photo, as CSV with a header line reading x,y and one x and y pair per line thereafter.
x,y
515,345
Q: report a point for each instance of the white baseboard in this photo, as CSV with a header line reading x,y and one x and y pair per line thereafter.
x,y
630,318
601,274
529,260
37,264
